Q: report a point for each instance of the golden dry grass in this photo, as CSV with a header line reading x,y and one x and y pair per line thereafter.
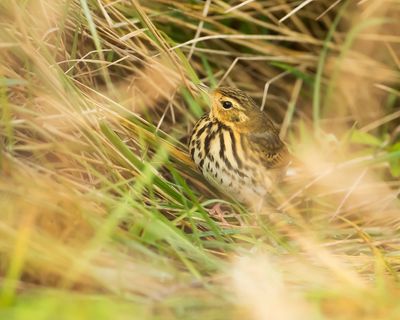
x,y
104,215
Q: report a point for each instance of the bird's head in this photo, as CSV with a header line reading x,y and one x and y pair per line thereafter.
x,y
233,107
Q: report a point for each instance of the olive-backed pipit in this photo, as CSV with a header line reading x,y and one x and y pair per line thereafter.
x,y
237,146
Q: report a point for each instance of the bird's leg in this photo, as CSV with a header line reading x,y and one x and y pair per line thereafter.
x,y
217,212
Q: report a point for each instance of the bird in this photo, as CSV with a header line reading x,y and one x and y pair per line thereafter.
x,y
237,146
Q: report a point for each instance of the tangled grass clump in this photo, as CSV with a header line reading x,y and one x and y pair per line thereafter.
x,y
105,216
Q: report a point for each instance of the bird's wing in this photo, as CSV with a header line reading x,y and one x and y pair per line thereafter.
x,y
270,147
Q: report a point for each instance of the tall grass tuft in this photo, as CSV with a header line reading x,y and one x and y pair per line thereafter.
x,y
103,215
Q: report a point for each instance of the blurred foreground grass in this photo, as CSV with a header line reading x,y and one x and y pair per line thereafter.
x,y
104,216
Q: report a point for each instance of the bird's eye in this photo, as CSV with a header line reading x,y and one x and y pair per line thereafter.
x,y
227,104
